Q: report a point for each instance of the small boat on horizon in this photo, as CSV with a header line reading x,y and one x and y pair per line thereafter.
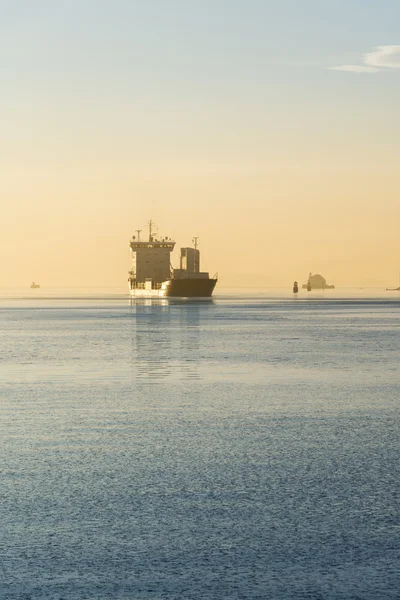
x,y
34,285
394,289
316,282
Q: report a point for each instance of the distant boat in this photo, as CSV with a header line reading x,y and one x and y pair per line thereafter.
x,y
316,282
394,289
295,287
34,285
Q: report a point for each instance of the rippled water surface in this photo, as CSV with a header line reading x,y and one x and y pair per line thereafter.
x,y
242,448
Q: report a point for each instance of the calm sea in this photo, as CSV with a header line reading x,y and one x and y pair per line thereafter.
x,y
246,447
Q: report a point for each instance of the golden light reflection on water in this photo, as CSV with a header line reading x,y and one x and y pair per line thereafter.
x,y
164,346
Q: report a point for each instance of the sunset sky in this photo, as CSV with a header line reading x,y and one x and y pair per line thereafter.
x,y
270,129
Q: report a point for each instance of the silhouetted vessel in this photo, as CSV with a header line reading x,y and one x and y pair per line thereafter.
x,y
316,282
295,287
152,276
34,285
394,289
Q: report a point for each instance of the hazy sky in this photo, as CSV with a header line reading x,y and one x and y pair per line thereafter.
x,y
269,128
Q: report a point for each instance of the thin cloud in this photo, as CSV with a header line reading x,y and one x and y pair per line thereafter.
x,y
355,69
382,58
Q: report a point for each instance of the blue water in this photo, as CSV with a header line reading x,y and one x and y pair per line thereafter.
x,y
241,448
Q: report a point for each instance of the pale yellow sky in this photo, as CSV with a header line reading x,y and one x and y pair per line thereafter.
x,y
258,224
210,127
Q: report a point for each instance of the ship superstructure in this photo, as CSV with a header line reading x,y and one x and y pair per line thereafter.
x,y
153,276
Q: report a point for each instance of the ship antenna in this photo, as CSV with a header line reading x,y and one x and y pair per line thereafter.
x,y
138,231
150,229
194,240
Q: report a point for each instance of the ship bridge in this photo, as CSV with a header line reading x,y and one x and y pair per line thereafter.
x,y
135,245
151,260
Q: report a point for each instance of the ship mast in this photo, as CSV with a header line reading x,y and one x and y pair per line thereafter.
x,y
151,223
138,231
196,254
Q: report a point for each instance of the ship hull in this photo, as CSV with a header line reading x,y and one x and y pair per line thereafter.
x,y
179,288
190,288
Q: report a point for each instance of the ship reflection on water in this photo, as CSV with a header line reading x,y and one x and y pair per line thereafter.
x,y
166,340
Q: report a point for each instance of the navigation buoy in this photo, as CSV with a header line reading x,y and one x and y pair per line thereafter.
x,y
295,287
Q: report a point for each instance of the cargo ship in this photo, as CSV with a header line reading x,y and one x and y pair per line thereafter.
x,y
152,275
